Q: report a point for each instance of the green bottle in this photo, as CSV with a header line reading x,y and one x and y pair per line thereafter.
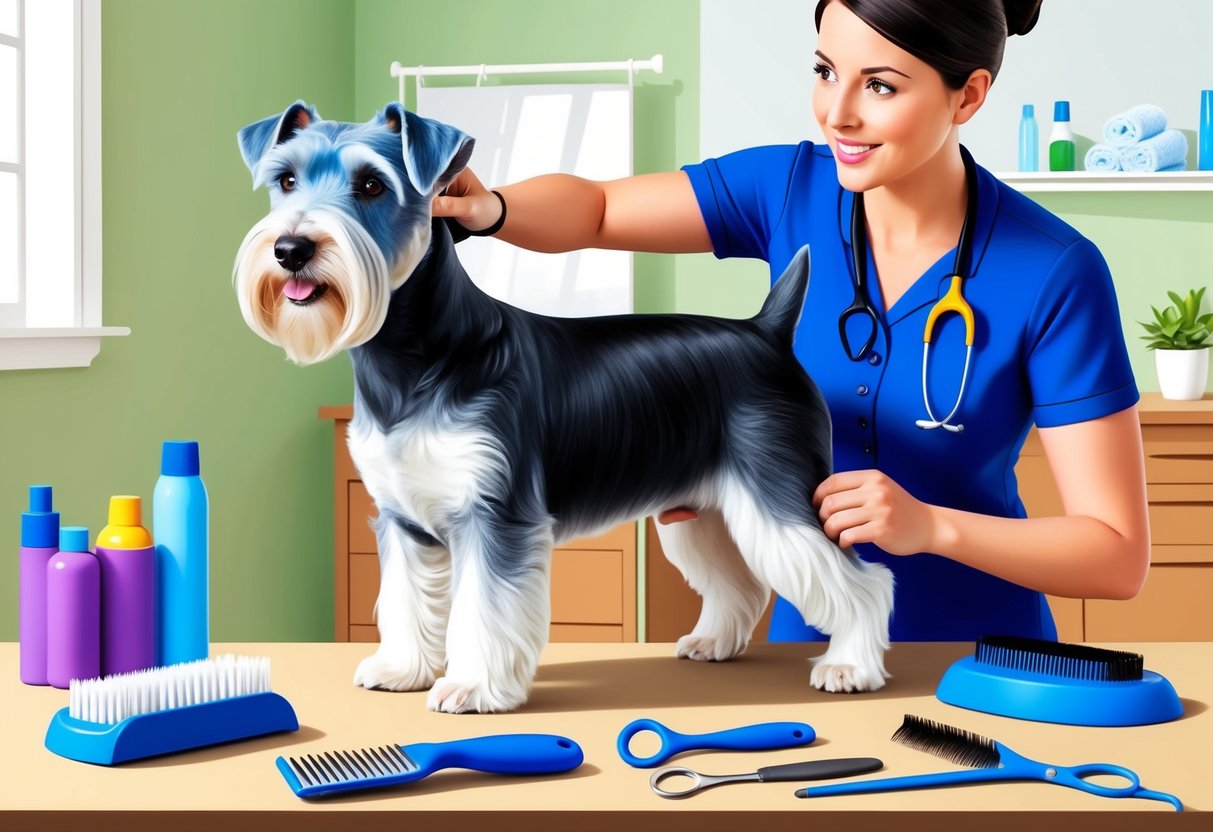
x,y
1061,140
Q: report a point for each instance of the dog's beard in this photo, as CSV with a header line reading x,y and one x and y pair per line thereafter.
x,y
347,266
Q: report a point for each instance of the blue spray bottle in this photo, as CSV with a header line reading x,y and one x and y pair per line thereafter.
x,y
181,530
1029,141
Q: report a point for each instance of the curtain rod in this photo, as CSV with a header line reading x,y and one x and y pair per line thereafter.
x,y
482,71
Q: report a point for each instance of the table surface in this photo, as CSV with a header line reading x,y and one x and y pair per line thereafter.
x,y
589,692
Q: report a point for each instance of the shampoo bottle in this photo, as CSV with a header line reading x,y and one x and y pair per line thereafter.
x,y
128,589
73,610
1061,140
1029,141
180,525
39,542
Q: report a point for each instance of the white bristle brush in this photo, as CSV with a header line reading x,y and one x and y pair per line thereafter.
x,y
162,710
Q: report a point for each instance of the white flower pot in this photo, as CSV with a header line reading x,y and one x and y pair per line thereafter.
x,y
1182,374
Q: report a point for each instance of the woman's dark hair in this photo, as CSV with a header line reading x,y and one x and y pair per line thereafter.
x,y
953,36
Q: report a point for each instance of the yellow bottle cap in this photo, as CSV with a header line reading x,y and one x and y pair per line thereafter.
x,y
126,511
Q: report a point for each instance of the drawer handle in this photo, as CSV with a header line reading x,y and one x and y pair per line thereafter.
x,y
1157,502
1192,457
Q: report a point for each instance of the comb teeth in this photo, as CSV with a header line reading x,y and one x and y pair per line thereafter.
x,y
351,766
961,747
1051,658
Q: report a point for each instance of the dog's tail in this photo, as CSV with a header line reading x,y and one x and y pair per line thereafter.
x,y
780,312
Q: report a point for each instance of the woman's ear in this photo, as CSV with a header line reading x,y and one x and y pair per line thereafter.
x,y
972,95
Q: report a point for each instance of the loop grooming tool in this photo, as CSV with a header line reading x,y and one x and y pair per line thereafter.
x,y
761,737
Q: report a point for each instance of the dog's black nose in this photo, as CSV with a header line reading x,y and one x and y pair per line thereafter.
x,y
292,253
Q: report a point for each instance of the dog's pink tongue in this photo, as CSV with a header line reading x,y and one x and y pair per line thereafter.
x,y
297,289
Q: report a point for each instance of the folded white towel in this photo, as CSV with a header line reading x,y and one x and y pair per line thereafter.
x,y
1102,158
1166,151
1134,125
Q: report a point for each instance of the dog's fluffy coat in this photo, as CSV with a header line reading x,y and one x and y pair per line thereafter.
x,y
486,434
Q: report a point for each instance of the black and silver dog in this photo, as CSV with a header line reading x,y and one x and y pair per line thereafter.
x,y
486,434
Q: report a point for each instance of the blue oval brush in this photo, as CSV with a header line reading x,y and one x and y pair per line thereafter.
x,y
1048,681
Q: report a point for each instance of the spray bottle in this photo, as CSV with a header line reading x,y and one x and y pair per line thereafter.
x,y
180,525
39,542
1061,140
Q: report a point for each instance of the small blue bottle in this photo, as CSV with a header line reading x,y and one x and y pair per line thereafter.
x,y
181,531
1029,141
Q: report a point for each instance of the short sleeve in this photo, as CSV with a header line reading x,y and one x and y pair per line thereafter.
x,y
1077,363
742,196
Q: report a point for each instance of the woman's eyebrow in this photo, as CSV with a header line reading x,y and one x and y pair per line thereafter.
x,y
867,70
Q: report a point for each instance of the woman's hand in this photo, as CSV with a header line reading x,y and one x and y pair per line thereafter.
x,y
467,200
868,507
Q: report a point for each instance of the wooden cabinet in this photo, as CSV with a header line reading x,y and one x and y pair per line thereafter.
x,y
1176,603
593,579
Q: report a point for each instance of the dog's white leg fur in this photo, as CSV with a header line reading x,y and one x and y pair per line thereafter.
x,y
835,591
498,624
411,611
733,597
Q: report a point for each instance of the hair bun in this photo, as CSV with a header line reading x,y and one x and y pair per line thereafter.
x,y
1021,15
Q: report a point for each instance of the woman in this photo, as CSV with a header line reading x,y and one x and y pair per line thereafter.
x,y
929,492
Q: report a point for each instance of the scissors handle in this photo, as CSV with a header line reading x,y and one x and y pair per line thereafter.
x,y
760,737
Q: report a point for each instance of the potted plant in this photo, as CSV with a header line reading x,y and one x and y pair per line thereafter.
x,y
1180,338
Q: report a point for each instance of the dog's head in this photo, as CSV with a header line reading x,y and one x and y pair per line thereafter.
x,y
349,221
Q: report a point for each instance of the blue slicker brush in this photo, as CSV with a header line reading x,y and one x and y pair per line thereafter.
x,y
147,713
1070,684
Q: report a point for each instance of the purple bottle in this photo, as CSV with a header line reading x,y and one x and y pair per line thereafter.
x,y
39,541
128,589
73,610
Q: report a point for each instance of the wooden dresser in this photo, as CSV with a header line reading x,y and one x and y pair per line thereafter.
x,y
593,579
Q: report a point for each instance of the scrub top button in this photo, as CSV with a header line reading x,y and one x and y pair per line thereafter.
x,y
861,390
867,449
874,359
863,423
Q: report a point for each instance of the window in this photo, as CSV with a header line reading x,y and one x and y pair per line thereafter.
x,y
50,184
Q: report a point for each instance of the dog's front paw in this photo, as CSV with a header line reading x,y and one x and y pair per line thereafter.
x,y
385,671
452,697
706,649
844,678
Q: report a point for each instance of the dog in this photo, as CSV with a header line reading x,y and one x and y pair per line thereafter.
x,y
487,434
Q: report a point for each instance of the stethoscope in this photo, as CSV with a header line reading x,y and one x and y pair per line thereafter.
x,y
952,301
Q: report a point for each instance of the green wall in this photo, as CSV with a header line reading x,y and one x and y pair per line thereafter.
x,y
179,79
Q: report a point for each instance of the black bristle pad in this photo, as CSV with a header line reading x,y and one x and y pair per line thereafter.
x,y
961,747
1054,658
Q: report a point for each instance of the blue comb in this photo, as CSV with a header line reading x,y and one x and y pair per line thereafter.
x,y
332,772
168,709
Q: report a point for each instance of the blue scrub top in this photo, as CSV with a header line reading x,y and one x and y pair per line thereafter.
x,y
1048,349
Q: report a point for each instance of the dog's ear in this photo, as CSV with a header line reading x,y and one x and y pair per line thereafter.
x,y
260,136
434,152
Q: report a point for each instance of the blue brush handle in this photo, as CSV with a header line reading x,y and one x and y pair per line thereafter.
x,y
497,754
1013,767
760,737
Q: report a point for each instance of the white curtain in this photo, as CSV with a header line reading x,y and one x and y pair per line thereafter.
x,y
529,130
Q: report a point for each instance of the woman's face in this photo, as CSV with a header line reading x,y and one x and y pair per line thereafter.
x,y
884,112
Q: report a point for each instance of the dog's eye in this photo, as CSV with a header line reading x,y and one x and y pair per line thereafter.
x,y
371,187
287,181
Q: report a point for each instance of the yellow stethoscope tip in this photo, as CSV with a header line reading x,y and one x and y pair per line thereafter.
x,y
952,301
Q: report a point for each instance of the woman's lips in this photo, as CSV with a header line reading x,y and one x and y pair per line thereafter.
x,y
853,154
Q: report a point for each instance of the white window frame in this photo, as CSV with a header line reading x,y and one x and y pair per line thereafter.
x,y
27,348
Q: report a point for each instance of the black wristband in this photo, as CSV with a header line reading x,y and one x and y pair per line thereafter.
x,y
495,227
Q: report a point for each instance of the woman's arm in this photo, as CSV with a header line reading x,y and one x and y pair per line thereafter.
x,y
558,212
1099,549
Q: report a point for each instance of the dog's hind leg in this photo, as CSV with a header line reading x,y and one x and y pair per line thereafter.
x,y
411,611
733,597
500,613
835,591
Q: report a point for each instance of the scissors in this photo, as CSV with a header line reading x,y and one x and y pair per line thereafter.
x,y
812,770
761,737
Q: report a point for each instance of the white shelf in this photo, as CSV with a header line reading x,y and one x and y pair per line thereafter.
x,y
1180,180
